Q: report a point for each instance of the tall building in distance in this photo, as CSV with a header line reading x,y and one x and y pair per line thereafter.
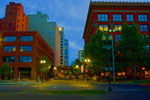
x,y
80,55
48,30
66,53
61,31
15,19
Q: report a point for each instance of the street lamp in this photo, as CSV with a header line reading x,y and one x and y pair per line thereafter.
x,y
86,61
42,69
107,46
113,59
54,72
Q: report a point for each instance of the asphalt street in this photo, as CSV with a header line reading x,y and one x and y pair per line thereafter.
x,y
120,91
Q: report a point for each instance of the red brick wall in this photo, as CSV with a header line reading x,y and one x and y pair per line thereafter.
x,y
15,16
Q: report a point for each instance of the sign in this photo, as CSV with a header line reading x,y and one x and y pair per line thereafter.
x,y
42,69
82,69
106,68
107,47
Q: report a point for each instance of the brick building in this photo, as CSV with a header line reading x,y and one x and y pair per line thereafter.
x,y
23,51
15,19
102,15
20,48
112,15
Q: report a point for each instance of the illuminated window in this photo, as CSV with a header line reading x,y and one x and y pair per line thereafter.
x,y
143,18
130,17
118,27
25,48
102,17
119,73
9,48
103,27
117,17
123,73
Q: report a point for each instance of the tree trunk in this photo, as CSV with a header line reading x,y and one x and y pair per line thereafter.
x,y
134,72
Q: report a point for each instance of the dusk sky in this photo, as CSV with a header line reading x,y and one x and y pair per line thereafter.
x,y
70,14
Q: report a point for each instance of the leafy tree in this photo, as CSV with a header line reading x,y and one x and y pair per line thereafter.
x,y
145,57
45,66
76,62
5,70
94,51
75,69
131,45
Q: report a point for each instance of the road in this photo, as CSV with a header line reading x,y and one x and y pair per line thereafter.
x,y
120,91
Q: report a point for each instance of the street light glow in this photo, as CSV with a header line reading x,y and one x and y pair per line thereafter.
x,y
77,66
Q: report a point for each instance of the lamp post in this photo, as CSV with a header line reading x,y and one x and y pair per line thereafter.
x,y
54,72
42,69
86,61
113,59
49,76
107,46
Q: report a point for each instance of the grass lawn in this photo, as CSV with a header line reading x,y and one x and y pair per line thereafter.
x,y
81,92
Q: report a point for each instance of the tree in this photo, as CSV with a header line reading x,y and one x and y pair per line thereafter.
x,y
145,57
131,45
5,70
76,67
94,51
45,66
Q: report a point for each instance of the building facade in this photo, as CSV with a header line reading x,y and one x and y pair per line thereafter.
x,y
112,15
66,53
23,51
15,19
48,30
80,55
61,31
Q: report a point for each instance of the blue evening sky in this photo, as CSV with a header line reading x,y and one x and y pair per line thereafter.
x,y
70,14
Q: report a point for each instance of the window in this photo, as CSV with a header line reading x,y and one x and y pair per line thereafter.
x,y
25,48
9,24
17,26
10,38
117,17
130,17
102,17
103,27
25,59
143,28
9,48
118,27
26,38
143,18
10,13
117,38
8,58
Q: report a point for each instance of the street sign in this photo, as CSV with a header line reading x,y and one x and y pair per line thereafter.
x,y
42,69
107,47
106,68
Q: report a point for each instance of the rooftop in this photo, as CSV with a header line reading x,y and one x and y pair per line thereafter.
x,y
121,3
